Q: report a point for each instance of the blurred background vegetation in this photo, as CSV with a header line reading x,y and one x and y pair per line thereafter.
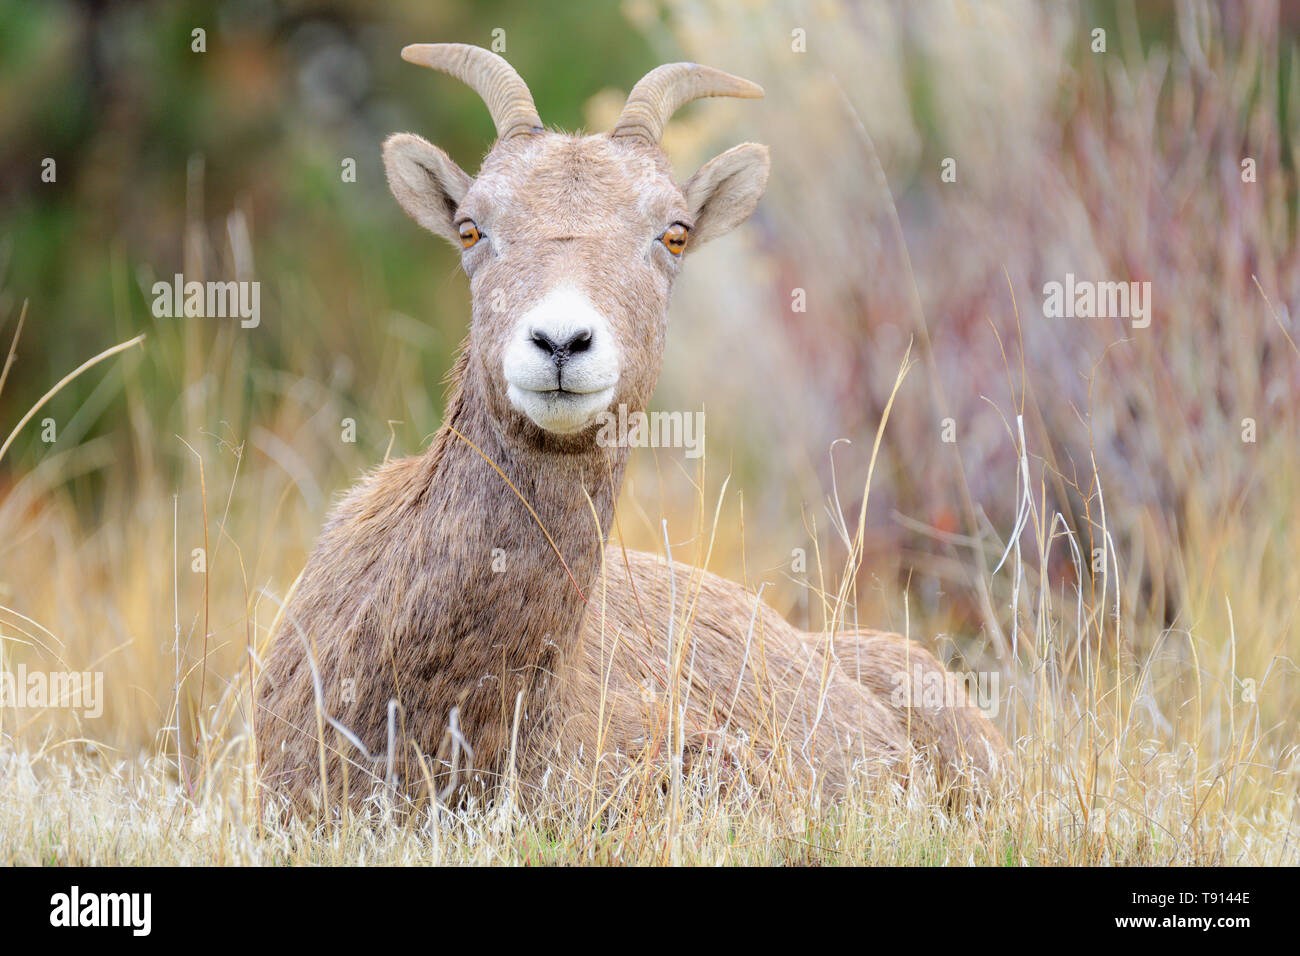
x,y
1117,165
156,146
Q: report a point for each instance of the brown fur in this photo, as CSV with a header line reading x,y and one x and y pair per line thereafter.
x,y
400,600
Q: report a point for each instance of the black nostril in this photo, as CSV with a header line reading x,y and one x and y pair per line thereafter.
x,y
559,352
543,342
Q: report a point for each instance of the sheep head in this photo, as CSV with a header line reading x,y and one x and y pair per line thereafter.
x,y
571,243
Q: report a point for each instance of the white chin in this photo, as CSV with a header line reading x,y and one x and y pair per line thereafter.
x,y
561,412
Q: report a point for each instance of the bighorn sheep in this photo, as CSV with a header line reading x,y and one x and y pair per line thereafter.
x,y
403,654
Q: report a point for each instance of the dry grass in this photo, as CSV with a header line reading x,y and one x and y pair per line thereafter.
x,y
1150,694
1102,777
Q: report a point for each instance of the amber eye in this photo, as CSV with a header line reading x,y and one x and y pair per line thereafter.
x,y
674,238
469,233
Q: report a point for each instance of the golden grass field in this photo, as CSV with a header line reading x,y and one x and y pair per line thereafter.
x,y
1100,537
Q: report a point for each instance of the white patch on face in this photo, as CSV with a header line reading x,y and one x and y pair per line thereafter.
x,y
562,363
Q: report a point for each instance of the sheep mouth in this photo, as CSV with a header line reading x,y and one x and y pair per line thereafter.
x,y
560,391
560,410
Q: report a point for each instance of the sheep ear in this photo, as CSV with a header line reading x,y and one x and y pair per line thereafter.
x,y
427,183
725,190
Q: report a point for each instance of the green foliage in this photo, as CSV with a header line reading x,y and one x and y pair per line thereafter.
x,y
156,145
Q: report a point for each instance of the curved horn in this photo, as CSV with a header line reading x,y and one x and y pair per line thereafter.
x,y
488,75
666,89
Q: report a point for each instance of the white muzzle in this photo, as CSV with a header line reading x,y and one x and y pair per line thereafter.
x,y
562,363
